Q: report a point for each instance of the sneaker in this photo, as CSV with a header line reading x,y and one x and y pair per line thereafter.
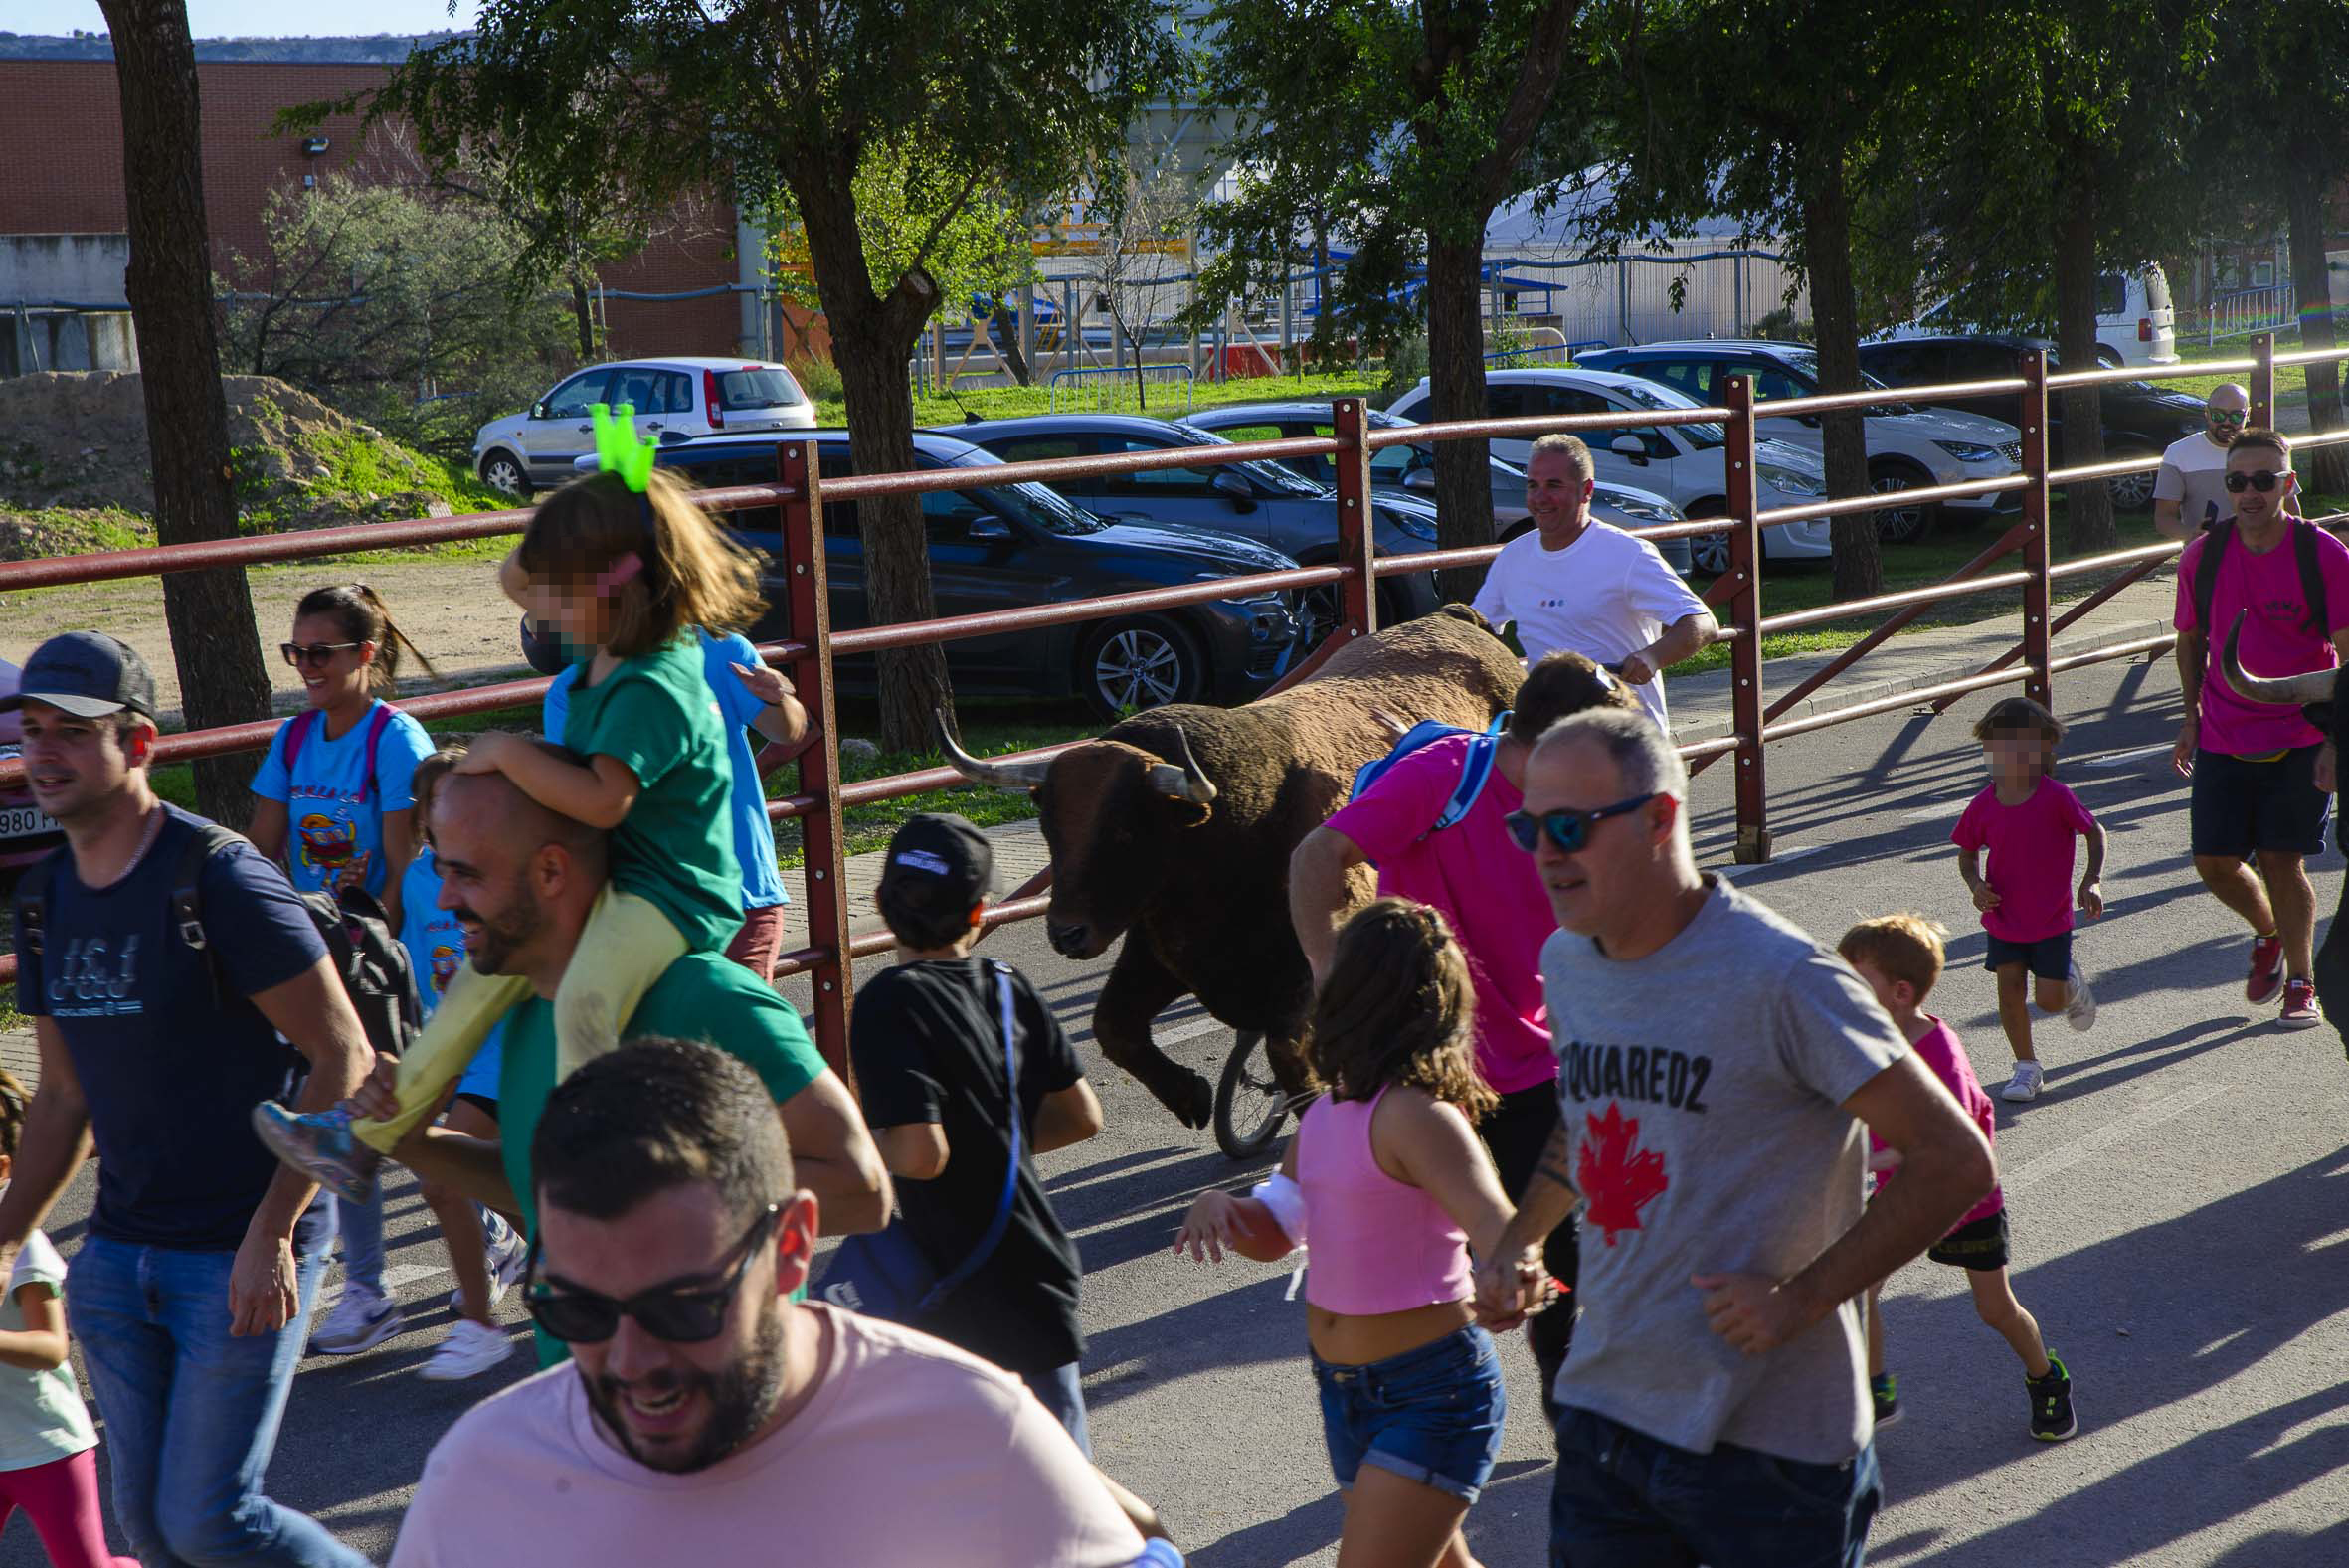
x,y
2052,1419
508,1257
2266,970
320,1146
1884,1391
470,1349
2081,1010
2300,1006
2025,1085
361,1321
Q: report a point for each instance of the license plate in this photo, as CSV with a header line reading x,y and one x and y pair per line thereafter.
x,y
25,822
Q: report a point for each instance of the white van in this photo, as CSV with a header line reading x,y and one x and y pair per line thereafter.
x,y
2136,324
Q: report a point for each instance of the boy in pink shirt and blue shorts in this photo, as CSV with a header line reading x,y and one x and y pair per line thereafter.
x,y
2027,822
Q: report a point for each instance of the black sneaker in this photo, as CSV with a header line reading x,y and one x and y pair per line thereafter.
x,y
2052,1419
1884,1391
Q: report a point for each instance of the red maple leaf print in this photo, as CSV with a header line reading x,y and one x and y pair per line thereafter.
x,y
1618,1178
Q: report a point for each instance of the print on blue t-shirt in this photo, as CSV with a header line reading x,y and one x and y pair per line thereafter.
x,y
754,834
330,823
435,939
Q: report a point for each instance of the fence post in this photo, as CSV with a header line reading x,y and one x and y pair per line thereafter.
x,y
821,833
1746,653
1360,593
2037,591
2262,412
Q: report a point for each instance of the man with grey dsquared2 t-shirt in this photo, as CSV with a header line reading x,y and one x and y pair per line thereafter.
x,y
1717,1068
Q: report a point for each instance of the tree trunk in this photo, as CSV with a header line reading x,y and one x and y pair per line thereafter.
x,y
2305,177
1456,390
584,316
2087,507
214,643
1007,328
1835,308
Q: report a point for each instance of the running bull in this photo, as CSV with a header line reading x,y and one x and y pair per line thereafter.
x,y
1174,828
2320,695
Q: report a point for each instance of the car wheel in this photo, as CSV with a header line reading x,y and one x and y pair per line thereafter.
x,y
502,472
1139,662
1905,525
2108,356
2131,492
1709,553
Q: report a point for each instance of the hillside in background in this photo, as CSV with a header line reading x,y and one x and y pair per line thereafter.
x,y
382,48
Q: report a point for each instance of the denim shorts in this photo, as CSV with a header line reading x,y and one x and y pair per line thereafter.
x,y
1432,1415
2050,957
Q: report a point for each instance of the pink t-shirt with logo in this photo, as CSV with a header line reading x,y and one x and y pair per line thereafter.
x,y
1941,1050
2276,637
910,1452
2031,854
1485,886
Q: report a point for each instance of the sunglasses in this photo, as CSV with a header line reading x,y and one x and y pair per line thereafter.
x,y
2260,479
1569,830
298,653
2227,416
678,1314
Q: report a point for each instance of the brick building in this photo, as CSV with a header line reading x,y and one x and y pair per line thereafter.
x,y
61,121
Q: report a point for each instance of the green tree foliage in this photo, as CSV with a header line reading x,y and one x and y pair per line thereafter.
x,y
1390,131
414,314
982,100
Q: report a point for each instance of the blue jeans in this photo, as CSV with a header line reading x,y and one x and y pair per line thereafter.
x,y
1061,1392
1432,1415
1623,1499
192,1411
361,1228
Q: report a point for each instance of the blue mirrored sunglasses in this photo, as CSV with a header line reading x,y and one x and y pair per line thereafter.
x,y
1569,830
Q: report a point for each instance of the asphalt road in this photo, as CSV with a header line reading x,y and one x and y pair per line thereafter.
x,y
2180,1198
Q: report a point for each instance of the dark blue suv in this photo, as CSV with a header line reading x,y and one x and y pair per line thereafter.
x,y
1012,546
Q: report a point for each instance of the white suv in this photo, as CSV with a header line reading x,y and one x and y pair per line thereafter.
x,y
1683,464
674,399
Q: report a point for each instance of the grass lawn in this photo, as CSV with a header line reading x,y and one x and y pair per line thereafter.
x,y
946,410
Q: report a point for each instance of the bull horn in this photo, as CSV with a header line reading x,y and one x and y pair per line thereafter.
x,y
2281,690
995,776
1187,783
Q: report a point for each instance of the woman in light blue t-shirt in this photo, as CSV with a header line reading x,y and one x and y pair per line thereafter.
x,y
337,810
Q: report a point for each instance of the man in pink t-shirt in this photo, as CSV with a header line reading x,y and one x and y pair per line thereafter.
x,y
703,1416
1488,889
2262,774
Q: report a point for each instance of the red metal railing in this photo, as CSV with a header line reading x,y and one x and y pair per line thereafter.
x,y
807,655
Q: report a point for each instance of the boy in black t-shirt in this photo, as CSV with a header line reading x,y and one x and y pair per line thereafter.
x,y
927,1039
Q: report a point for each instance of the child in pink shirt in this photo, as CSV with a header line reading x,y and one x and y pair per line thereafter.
x,y
1900,956
2027,822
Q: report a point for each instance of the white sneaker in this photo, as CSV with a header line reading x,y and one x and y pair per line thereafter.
x,y
470,1349
2081,1010
2024,1084
505,1263
361,1321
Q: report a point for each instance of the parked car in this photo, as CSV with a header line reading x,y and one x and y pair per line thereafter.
x,y
1012,546
2140,419
1907,448
1682,462
26,831
1410,470
2136,321
674,399
1262,501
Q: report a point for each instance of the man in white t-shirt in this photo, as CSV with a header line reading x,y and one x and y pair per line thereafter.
x,y
1590,587
2190,492
704,1416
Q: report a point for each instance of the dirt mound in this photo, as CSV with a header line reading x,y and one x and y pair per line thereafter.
x,y
79,439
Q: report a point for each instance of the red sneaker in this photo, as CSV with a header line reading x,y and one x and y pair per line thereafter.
x,y
2300,1006
2266,970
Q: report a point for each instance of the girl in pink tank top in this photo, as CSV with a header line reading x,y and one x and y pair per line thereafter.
x,y
1389,1187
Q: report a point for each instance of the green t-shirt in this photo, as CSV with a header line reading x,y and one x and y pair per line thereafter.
x,y
657,714
703,997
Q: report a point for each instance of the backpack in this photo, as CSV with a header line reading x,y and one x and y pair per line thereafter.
x,y
306,723
2205,575
369,958
1474,771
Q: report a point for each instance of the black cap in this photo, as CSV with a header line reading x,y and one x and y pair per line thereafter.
x,y
944,850
86,674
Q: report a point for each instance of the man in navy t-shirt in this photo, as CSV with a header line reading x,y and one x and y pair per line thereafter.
x,y
192,1294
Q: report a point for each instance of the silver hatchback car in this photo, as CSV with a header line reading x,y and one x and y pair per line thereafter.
x,y
674,399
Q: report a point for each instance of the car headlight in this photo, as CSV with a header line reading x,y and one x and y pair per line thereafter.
x,y
1413,523
1647,512
1788,482
1970,452
1271,613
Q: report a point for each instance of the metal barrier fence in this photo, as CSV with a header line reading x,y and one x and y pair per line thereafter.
x,y
807,655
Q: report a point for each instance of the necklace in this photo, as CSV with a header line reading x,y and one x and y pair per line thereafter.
x,y
147,841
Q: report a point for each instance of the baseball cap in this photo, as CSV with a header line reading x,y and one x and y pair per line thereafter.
x,y
86,674
946,852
